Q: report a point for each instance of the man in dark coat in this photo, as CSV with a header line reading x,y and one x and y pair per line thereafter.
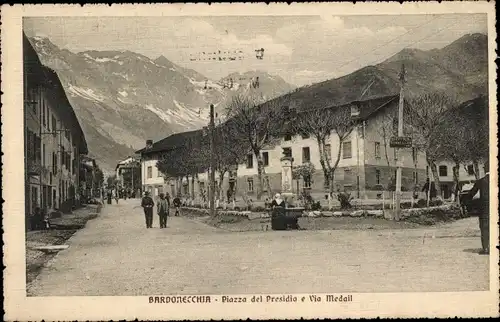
x,y
483,186
163,207
147,203
433,192
177,205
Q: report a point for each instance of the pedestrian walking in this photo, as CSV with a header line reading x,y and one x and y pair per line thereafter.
x,y
109,197
483,187
163,207
147,204
177,205
432,193
115,193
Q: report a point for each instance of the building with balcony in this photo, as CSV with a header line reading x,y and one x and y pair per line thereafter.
x,y
54,140
366,166
128,174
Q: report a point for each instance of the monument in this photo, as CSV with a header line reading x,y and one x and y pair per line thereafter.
x,y
286,177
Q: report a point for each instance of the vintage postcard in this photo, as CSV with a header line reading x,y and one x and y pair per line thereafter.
x,y
234,161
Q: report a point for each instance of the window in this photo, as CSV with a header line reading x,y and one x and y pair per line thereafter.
x,y
306,155
307,182
150,172
54,125
443,171
43,154
415,177
288,137
34,198
470,169
54,162
346,150
202,186
249,161
414,153
395,126
377,150
354,110
265,158
377,176
287,152
62,156
328,149
159,173
250,184
44,110
305,136
265,183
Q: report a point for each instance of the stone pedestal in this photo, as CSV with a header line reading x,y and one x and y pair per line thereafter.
x,y
286,177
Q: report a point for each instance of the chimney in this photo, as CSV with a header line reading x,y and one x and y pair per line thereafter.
x,y
149,144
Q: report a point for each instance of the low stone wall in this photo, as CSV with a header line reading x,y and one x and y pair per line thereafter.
x,y
235,213
432,215
423,216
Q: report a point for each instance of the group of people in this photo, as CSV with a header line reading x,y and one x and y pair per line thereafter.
x,y
162,208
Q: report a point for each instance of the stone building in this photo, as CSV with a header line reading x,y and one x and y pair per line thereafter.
x,y
366,166
54,140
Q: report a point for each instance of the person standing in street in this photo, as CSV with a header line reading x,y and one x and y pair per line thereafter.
x,y
177,205
429,186
163,207
147,204
483,187
115,192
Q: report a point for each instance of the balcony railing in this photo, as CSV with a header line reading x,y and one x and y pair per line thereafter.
x,y
34,168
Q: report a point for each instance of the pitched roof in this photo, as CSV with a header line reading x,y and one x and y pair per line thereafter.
x,y
45,76
172,142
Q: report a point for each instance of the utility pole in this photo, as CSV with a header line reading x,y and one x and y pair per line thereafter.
x,y
212,161
398,150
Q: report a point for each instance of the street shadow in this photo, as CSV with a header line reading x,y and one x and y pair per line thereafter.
x,y
472,250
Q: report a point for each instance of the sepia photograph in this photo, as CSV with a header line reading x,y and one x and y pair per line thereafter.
x,y
268,159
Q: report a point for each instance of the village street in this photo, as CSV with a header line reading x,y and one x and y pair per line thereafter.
x,y
116,255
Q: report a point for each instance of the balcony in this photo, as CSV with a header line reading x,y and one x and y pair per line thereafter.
x,y
34,168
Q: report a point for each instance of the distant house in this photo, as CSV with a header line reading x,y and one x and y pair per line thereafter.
x,y
54,140
366,166
153,180
128,173
88,177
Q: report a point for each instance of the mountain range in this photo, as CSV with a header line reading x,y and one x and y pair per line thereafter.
x,y
123,98
460,69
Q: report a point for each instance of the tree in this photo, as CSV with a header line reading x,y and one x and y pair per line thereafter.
x,y
387,128
253,125
321,124
424,116
229,152
464,136
185,161
304,171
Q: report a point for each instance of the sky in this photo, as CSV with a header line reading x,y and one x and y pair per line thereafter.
x,y
301,49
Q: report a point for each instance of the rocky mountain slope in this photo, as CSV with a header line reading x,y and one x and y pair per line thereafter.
x,y
123,98
459,69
